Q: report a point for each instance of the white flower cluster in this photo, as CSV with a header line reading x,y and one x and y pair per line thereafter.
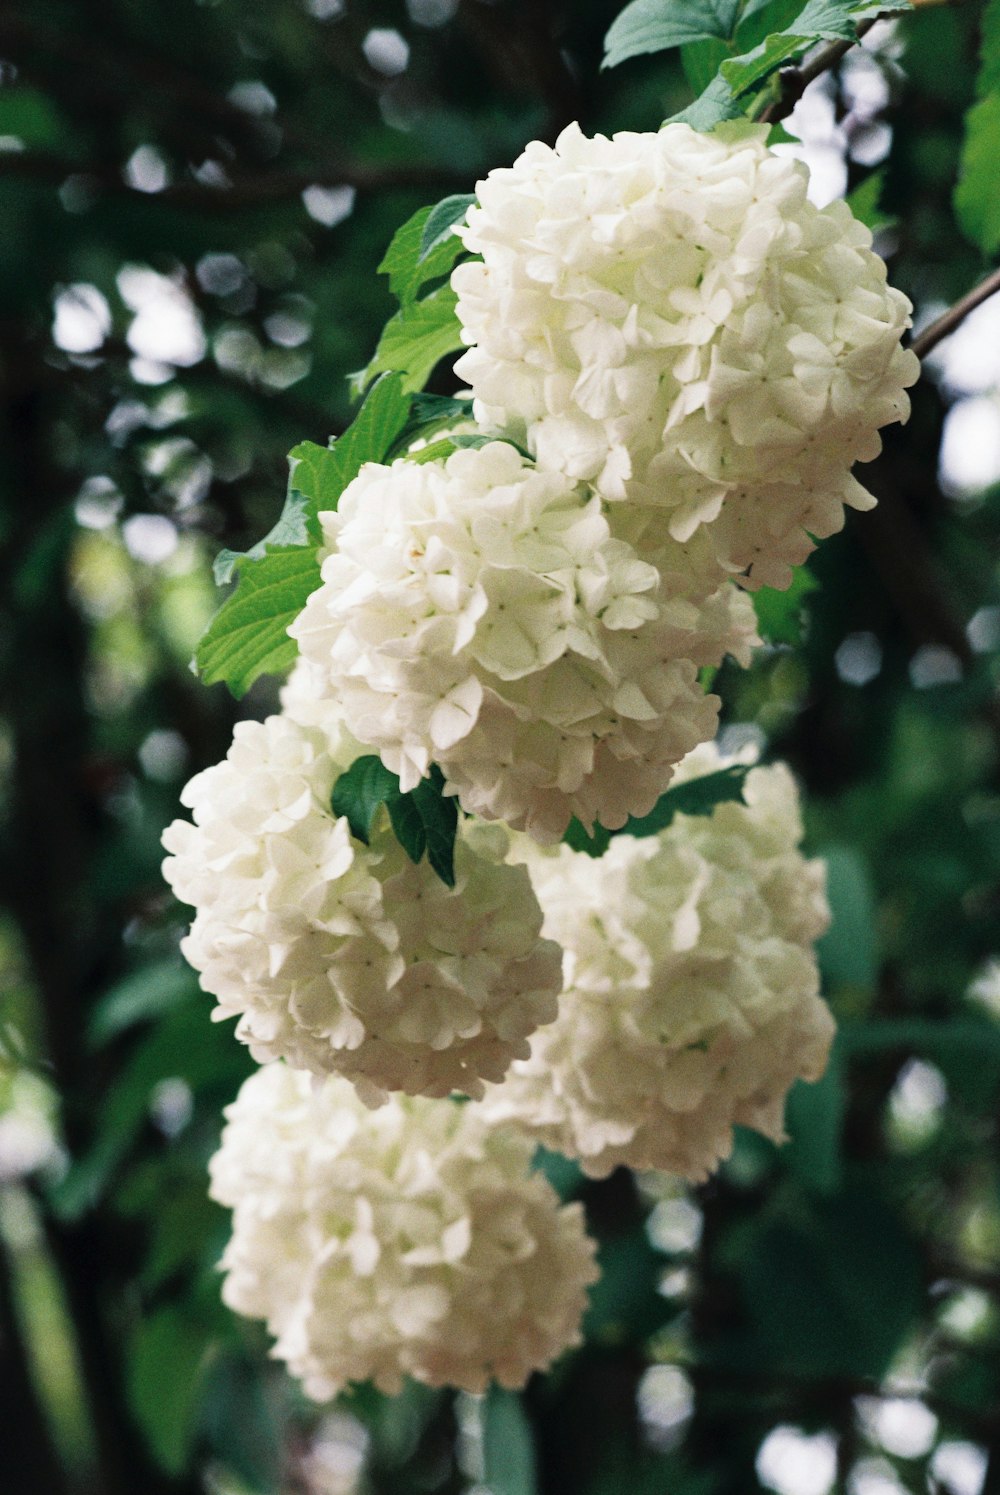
x,y
691,991
695,356
667,317
412,1240
479,614
348,958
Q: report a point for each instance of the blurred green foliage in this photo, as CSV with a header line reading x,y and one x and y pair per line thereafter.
x,y
194,198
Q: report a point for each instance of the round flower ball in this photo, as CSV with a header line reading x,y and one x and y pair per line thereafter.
x,y
691,999
408,1241
668,317
345,957
478,613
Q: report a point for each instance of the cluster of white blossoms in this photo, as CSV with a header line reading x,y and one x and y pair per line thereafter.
x,y
691,990
694,356
479,614
409,1241
346,958
666,316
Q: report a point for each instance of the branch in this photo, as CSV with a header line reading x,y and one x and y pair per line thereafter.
x,y
795,80
925,342
244,192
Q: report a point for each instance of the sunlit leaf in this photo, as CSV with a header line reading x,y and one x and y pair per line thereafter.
x,y
414,341
425,247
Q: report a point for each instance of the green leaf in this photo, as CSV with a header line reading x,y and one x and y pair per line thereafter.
x,y
423,820
657,25
695,797
438,819
977,201
143,994
761,18
865,199
414,341
369,438
726,96
780,614
710,108
848,952
988,80
437,451
564,1174
297,525
164,1373
360,791
700,61
249,634
509,1465
424,248
430,413
819,20
745,73
440,222
814,1117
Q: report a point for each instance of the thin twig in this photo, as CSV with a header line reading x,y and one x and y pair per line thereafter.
x,y
795,80
261,190
926,341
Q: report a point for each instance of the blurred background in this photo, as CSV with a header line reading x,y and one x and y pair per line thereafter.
x,y
193,198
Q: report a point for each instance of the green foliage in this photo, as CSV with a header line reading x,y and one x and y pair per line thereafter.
x,y
819,20
976,200
180,1046
509,1465
430,413
781,615
657,25
831,1287
424,819
625,1305
165,1364
747,44
248,636
848,952
149,992
825,1267
415,340
693,797
977,203
815,1120
425,247
865,201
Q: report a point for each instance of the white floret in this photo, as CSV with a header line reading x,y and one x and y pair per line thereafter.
x,y
690,1000
408,1241
667,316
347,958
479,614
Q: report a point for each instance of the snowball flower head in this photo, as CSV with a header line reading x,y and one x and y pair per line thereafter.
x,y
408,1241
349,958
667,316
690,1000
479,614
